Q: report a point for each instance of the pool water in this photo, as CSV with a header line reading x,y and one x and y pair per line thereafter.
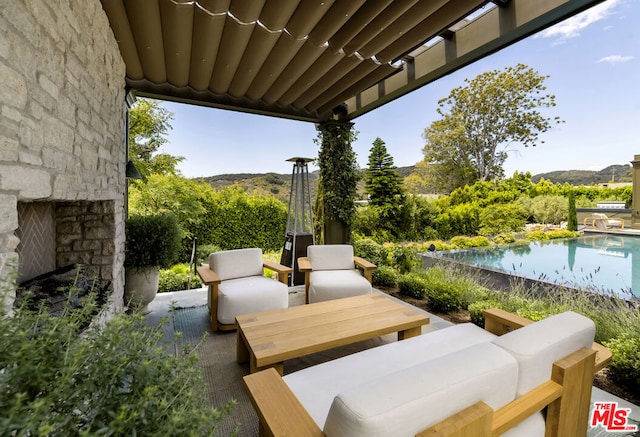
x,y
598,262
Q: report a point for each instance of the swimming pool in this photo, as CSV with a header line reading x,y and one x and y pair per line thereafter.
x,y
598,262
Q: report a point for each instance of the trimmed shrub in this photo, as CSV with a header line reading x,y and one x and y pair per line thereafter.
x,y
463,219
504,238
561,233
405,258
625,363
385,276
476,310
369,250
572,220
445,289
498,218
152,240
412,285
536,236
462,242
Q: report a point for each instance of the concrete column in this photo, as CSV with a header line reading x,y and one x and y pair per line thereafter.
x,y
635,215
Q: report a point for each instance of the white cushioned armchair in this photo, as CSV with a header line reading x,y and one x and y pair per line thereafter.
x,y
237,285
330,273
456,381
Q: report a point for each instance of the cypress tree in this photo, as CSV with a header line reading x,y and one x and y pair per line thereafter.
x,y
381,179
572,222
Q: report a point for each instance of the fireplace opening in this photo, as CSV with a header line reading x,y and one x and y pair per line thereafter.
x,y
64,244
61,288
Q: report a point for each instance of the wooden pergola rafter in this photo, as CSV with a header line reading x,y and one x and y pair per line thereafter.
x,y
313,60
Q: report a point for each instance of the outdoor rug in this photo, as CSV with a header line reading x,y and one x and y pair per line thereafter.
x,y
223,374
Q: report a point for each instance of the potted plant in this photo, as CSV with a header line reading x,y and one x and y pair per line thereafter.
x,y
152,242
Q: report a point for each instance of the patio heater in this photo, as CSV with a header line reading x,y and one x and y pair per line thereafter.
x,y
299,233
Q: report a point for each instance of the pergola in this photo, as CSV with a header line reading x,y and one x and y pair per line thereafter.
x,y
312,60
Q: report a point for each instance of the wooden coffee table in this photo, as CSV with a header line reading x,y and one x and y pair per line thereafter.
x,y
267,339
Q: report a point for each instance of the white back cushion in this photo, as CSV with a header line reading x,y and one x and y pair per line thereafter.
x,y
406,402
237,263
317,386
537,346
331,256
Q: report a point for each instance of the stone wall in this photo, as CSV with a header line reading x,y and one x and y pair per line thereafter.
x,y
62,123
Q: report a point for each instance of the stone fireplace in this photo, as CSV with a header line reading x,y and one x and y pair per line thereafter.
x,y
62,142
57,234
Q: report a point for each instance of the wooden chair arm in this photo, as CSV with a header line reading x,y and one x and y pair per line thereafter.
x,y
279,411
603,356
366,266
304,265
282,271
526,405
361,262
208,276
499,322
569,379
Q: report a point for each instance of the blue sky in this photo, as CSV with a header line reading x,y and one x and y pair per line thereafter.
x,y
593,61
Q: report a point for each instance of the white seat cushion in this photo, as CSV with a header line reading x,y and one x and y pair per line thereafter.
x,y
317,386
250,295
537,346
406,402
335,284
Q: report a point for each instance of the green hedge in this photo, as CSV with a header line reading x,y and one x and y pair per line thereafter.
x,y
229,218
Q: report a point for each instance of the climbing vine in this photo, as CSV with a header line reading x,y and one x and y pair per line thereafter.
x,y
338,171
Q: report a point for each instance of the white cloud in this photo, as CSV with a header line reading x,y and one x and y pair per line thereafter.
x,y
615,59
572,27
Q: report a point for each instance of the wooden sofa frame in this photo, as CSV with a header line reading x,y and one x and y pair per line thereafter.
x,y
212,280
566,396
304,265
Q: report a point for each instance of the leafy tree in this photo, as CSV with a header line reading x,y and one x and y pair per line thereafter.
x,y
481,120
381,179
148,126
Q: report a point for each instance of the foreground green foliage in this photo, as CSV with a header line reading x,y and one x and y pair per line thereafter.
x,y
112,380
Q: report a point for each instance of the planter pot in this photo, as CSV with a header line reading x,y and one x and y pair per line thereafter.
x,y
140,287
336,232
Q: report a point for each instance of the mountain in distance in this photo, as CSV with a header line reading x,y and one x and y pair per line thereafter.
x,y
279,185
610,174
271,184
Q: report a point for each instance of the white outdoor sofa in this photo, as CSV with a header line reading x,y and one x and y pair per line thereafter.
x,y
457,381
